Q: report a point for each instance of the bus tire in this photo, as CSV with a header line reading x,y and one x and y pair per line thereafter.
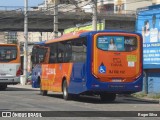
x,y
66,95
108,97
43,92
3,87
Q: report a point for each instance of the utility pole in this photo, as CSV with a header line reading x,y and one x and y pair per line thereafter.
x,y
46,3
94,17
55,17
145,81
101,2
25,63
101,11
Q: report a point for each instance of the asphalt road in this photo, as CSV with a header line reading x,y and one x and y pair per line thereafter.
x,y
24,98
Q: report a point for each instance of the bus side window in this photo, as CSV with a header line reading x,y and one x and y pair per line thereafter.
x,y
79,50
34,55
68,51
61,51
42,54
53,58
53,53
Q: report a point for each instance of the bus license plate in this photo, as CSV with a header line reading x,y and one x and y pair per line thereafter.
x,y
116,80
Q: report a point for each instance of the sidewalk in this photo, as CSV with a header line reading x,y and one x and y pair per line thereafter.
x,y
143,98
23,86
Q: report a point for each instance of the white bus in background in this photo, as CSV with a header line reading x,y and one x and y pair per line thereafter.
x,y
10,65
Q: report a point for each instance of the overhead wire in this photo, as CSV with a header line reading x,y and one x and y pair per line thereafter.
x,y
90,2
40,12
34,14
68,10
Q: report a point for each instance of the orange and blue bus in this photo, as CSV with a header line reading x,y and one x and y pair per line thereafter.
x,y
103,63
10,69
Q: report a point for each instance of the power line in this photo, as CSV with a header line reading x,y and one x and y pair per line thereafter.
x,y
63,7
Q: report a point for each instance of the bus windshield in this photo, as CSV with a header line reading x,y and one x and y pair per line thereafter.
x,y
8,53
117,43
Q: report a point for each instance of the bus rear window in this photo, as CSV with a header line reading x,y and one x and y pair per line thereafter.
x,y
8,53
117,43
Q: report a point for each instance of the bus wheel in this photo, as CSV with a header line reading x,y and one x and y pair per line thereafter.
x,y
3,87
43,92
108,97
66,95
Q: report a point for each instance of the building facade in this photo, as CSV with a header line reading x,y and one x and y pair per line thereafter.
x,y
2,37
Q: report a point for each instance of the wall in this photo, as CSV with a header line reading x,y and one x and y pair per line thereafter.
x,y
153,83
148,24
2,37
132,5
120,25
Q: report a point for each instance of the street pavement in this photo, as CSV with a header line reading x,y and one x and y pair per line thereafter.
x,y
25,98
144,99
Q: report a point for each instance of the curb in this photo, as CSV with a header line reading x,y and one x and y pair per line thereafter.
x,y
143,100
23,86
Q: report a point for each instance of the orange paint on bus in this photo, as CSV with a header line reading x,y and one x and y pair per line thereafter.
x,y
53,74
117,63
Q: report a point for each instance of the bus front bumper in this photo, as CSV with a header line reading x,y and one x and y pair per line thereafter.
x,y
9,80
